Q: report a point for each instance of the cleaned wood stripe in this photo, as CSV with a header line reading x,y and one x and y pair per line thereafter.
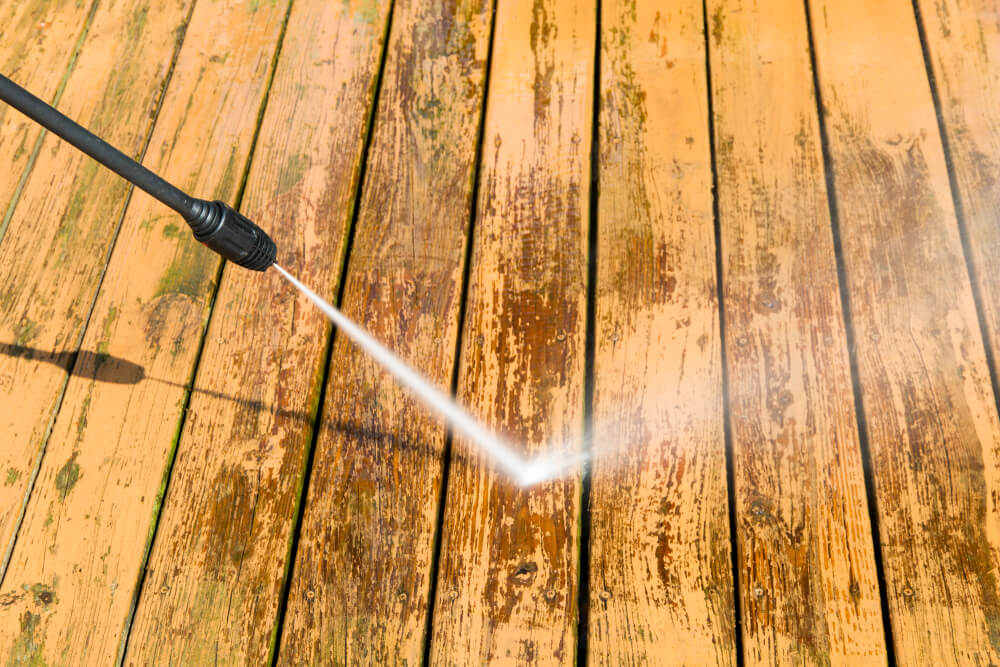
x,y
807,578
507,580
376,480
661,586
931,416
56,246
85,533
37,44
218,562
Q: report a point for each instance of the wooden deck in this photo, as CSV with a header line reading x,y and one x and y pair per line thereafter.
x,y
753,248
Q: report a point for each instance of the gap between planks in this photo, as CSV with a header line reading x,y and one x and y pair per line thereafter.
x,y
36,468
189,385
845,300
302,495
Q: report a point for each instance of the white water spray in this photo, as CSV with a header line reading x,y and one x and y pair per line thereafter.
x,y
549,465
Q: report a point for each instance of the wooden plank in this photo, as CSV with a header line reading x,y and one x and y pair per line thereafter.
x,y
507,583
87,526
805,558
37,42
56,246
963,40
927,397
376,479
661,588
218,562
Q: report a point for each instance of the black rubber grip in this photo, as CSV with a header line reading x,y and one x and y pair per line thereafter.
x,y
230,234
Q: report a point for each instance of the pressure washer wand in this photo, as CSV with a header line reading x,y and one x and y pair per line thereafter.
x,y
214,223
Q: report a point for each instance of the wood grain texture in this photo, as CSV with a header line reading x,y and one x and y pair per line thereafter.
x,y
507,581
218,561
88,523
661,588
37,41
807,578
927,397
963,40
376,479
56,246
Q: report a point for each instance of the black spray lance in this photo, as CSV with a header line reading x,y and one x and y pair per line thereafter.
x,y
214,223
239,240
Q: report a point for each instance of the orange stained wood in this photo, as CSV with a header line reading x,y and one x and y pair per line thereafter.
x,y
805,559
661,587
507,580
963,42
37,43
88,525
927,399
55,249
834,301
218,561
375,487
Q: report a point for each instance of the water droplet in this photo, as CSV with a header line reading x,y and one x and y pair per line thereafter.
x,y
768,302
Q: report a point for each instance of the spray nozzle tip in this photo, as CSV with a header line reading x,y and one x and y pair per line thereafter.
x,y
232,235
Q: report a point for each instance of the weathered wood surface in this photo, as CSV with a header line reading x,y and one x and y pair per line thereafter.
x,y
805,558
927,398
373,495
219,557
56,246
88,522
507,580
963,41
661,587
37,43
